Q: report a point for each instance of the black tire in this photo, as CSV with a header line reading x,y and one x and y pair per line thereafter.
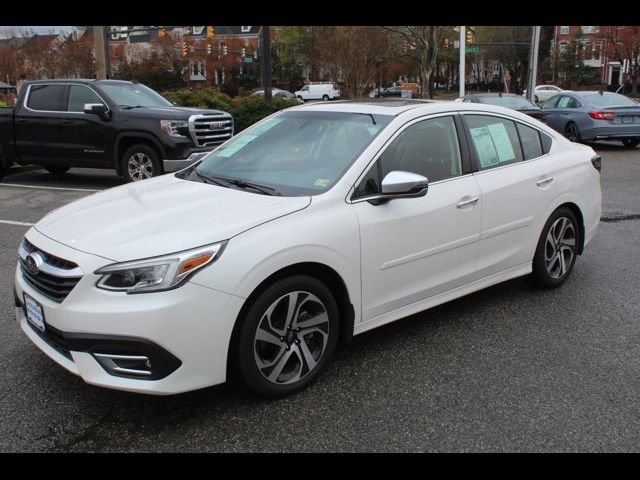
x,y
571,132
548,273
535,99
300,98
630,142
246,350
57,170
139,163
325,98
3,171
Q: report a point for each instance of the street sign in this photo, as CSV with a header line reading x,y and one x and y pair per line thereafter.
x,y
473,49
456,44
248,59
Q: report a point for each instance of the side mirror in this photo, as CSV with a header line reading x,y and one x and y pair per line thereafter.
x,y
399,184
99,109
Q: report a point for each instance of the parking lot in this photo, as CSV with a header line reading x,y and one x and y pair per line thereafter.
x,y
508,368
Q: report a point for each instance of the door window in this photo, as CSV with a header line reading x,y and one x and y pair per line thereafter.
x,y
429,148
46,97
79,95
530,139
495,141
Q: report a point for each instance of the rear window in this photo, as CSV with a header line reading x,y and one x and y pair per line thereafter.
x,y
46,97
611,100
508,101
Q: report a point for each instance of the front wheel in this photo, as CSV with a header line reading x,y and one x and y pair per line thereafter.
x,y
630,142
139,163
325,98
286,338
557,249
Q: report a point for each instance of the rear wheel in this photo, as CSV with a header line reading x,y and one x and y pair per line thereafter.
x,y
630,142
571,132
557,249
286,338
57,170
139,163
325,98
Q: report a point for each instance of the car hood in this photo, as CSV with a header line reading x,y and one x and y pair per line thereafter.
x,y
160,216
171,113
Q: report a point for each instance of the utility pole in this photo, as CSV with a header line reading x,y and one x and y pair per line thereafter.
x,y
98,38
462,77
533,62
107,61
266,63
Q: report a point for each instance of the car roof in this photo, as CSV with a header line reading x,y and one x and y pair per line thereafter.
x,y
493,94
397,107
81,80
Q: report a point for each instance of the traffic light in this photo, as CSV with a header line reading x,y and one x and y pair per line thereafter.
x,y
470,37
210,32
185,48
161,32
244,51
209,48
224,50
446,42
405,46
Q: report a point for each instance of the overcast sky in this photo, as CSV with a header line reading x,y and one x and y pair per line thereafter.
x,y
7,31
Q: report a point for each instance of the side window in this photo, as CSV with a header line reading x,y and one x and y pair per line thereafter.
x,y
574,103
546,142
495,140
78,96
530,140
551,103
305,88
46,97
429,148
565,102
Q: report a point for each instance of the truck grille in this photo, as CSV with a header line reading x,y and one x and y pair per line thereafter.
x,y
210,129
54,278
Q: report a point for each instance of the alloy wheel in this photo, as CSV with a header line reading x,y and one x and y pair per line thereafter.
x,y
291,337
560,246
140,167
571,132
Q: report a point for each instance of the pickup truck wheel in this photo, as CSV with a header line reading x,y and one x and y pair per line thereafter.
x,y
57,170
139,163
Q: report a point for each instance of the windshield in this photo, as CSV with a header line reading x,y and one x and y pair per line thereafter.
x,y
515,103
129,95
612,100
294,152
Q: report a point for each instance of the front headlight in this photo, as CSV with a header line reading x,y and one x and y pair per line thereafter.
x,y
158,273
174,127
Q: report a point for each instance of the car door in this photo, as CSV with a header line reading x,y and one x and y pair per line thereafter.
x,y
85,137
416,248
553,115
37,125
516,180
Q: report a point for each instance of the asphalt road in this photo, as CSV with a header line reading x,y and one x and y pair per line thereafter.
x,y
509,368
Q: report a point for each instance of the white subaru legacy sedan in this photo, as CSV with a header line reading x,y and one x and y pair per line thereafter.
x,y
316,224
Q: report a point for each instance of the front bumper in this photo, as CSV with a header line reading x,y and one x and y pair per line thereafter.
x,y
184,332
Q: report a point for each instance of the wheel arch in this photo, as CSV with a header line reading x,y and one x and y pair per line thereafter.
x,y
129,139
320,271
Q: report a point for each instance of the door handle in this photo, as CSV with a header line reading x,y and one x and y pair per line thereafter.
x,y
544,181
23,120
468,202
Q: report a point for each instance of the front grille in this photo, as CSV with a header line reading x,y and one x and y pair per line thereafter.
x,y
59,278
54,339
210,129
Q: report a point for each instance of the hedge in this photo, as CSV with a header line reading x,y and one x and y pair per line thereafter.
x,y
245,110
2,104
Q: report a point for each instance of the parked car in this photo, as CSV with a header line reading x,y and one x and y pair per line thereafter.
x,y
542,93
277,93
395,91
318,223
111,124
592,115
318,91
507,100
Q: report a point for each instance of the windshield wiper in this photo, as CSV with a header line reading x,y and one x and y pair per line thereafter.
x,y
256,186
225,182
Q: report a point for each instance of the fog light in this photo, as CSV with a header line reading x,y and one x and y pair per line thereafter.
x,y
120,365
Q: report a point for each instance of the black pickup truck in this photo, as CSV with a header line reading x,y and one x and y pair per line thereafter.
x,y
114,124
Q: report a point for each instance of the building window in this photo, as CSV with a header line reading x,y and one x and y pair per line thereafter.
x,y
245,29
564,30
589,29
596,51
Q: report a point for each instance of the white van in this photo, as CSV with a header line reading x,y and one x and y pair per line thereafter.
x,y
318,91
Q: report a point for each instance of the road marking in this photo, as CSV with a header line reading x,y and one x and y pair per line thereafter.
x,y
13,222
17,185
